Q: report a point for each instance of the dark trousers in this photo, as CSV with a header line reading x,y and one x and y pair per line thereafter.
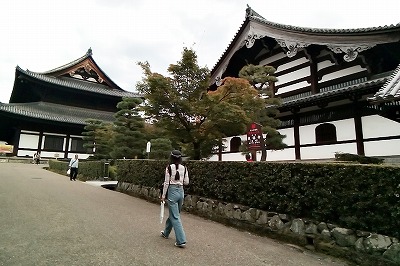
x,y
73,173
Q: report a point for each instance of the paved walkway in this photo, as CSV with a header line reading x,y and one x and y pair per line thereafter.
x,y
46,219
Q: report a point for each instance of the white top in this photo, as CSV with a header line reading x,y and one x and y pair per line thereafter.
x,y
74,163
170,179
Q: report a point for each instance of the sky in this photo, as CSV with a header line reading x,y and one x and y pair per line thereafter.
x,y
41,35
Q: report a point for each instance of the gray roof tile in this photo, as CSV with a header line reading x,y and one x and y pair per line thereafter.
x,y
56,112
390,91
78,84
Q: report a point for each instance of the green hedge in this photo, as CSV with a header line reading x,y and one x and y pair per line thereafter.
x,y
361,197
88,170
348,157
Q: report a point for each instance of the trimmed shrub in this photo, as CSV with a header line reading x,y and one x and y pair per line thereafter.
x,y
360,197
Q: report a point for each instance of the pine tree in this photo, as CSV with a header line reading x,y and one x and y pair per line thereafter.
x,y
262,78
129,141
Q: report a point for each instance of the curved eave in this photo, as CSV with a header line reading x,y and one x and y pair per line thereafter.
x,y
55,113
256,25
87,56
361,88
390,91
74,84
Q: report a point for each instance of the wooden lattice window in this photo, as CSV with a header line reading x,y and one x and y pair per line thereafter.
x,y
77,145
54,143
325,134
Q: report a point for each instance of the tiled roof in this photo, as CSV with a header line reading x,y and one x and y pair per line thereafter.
x,y
78,84
289,30
390,91
335,92
87,56
256,17
70,64
56,112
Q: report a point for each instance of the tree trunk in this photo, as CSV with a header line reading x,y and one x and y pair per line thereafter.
x,y
263,154
196,150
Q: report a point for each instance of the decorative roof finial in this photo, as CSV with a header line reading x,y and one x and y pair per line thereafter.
x,y
251,13
89,51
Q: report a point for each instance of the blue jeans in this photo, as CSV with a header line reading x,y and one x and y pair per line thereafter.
x,y
175,201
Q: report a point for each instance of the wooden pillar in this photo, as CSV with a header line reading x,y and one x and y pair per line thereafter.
x,y
358,129
296,134
39,148
314,78
297,138
16,138
66,148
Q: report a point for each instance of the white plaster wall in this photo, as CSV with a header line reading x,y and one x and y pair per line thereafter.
x,y
292,87
289,132
23,153
342,73
324,64
345,130
291,64
326,151
382,148
28,141
272,59
303,72
378,126
281,155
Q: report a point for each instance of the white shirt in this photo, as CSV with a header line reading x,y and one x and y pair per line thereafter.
x,y
74,163
170,179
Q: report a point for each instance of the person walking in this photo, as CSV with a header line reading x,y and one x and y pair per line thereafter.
x,y
176,176
73,166
37,159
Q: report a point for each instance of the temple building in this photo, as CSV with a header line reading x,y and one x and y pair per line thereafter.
x,y
48,111
339,87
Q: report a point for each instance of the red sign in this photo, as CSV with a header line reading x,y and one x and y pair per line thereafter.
x,y
255,139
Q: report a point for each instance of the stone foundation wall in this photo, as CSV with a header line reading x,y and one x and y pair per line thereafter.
x,y
363,248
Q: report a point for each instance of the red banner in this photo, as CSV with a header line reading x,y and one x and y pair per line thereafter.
x,y
254,137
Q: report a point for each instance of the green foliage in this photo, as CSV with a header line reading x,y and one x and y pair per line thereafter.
x,y
129,140
261,78
97,135
360,197
88,170
191,117
160,148
347,157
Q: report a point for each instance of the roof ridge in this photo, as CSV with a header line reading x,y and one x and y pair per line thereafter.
x,y
88,54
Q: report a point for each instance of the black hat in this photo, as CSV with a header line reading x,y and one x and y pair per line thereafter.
x,y
176,154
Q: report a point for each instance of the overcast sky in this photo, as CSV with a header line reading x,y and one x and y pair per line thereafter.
x,y
40,35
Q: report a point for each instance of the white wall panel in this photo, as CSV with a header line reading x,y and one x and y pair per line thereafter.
x,y
28,141
301,73
292,87
289,132
307,134
281,155
342,73
271,59
324,64
378,126
382,148
345,130
326,151
291,64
